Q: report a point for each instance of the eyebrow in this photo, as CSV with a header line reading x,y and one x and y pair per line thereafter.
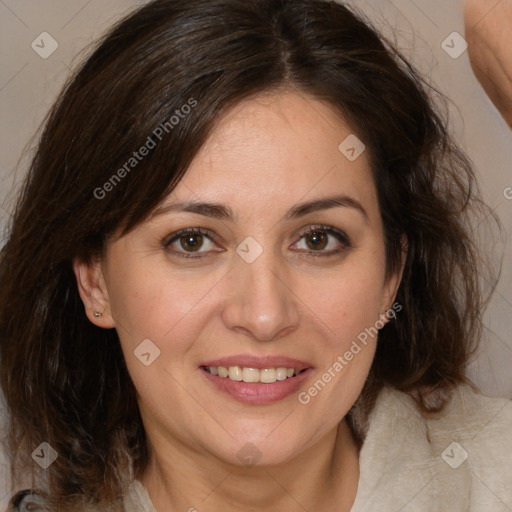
x,y
225,213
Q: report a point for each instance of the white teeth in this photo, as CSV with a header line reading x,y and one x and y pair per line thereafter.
x,y
250,375
281,373
266,375
235,373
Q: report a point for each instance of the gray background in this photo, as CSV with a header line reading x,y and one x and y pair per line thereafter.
x,y
29,85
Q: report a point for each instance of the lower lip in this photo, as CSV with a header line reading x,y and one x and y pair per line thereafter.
x,y
258,393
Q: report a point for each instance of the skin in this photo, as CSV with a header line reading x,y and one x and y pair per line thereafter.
x,y
290,301
488,33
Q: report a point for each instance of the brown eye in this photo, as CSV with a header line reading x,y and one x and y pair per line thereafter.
x,y
191,241
323,240
316,240
188,241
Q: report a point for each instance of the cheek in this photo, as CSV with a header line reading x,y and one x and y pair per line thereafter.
x,y
350,300
350,308
149,301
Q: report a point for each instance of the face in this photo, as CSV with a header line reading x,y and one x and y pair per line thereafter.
x,y
280,271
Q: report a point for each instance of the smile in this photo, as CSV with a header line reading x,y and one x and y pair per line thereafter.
x,y
256,380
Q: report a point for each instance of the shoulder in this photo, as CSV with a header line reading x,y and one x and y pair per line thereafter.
x,y
476,431
26,500
137,499
458,459
30,500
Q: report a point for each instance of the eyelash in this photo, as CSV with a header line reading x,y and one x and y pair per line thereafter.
x,y
339,235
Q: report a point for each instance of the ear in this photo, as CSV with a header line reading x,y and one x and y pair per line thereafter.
x,y
93,292
393,281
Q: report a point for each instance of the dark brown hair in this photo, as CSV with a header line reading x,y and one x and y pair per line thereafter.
x,y
64,379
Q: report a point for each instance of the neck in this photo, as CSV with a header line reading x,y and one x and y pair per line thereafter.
x,y
325,477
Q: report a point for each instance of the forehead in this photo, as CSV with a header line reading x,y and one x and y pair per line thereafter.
x,y
281,147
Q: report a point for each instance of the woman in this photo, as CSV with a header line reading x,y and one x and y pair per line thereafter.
x,y
240,276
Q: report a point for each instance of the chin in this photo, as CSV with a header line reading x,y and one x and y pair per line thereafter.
x,y
265,450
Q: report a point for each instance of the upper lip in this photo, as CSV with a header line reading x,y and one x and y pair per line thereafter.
x,y
258,362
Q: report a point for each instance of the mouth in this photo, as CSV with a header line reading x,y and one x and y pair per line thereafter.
x,y
256,381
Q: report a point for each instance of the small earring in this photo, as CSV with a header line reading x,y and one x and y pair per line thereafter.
x,y
97,314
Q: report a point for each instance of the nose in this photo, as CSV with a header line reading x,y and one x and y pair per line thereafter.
x,y
261,302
